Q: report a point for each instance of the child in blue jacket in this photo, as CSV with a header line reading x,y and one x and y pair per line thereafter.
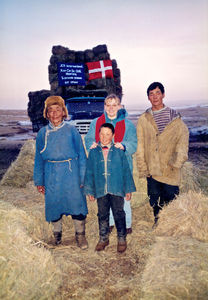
x,y
108,179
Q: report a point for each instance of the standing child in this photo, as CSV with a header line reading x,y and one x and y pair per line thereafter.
x,y
125,138
59,170
108,178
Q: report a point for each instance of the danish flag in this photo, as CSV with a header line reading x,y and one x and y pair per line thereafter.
x,y
100,69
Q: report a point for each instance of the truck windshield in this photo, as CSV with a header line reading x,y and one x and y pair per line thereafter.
x,y
85,107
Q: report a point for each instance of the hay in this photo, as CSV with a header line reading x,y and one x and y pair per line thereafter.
x,y
27,271
177,269
106,275
86,274
189,178
21,170
185,216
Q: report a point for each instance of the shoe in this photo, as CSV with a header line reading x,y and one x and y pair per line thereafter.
x,y
81,240
111,228
57,236
128,230
101,245
155,223
121,246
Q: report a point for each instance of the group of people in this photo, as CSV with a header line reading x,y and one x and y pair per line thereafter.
x,y
64,174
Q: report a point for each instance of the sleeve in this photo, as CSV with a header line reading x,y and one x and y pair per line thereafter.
x,y
38,173
130,138
81,154
181,152
90,136
127,176
141,163
89,182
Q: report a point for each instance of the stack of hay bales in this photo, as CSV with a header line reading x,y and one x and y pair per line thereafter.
x,y
177,267
21,170
62,54
36,106
97,87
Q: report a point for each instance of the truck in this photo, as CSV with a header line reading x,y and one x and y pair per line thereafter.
x,y
82,110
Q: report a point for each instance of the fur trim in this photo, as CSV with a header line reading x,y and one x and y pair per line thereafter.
x,y
55,100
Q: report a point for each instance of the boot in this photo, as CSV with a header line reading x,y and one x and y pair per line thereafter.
x,y
155,222
101,245
122,245
57,236
156,210
80,234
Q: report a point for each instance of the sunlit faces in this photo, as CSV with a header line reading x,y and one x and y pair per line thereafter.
x,y
111,107
55,114
106,136
156,99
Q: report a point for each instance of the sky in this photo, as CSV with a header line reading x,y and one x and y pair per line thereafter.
x,y
152,40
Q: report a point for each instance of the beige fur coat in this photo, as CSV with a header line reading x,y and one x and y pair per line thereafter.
x,y
161,155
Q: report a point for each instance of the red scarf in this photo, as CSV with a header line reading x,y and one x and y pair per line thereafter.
x,y
119,129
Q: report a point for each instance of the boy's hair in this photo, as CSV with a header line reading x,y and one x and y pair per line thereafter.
x,y
155,85
113,96
107,125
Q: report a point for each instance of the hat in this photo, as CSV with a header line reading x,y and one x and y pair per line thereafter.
x,y
55,100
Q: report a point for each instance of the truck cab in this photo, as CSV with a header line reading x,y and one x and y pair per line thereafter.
x,y
82,110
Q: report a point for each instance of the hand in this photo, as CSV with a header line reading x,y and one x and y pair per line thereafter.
x,y
92,198
94,145
128,197
119,145
41,189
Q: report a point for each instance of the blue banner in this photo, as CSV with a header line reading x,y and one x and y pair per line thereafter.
x,y
71,74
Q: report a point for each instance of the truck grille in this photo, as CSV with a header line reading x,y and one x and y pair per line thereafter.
x,y
82,126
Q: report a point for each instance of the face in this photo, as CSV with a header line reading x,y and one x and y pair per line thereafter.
x,y
106,136
55,114
111,107
156,99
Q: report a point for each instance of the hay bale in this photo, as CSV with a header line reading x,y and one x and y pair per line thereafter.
x,y
177,269
185,216
21,170
26,271
189,178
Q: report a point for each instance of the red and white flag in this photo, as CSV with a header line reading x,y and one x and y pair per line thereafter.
x,y
100,69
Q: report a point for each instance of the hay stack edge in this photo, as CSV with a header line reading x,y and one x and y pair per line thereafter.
x,y
169,262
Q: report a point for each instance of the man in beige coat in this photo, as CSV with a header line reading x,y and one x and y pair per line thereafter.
x,y
162,149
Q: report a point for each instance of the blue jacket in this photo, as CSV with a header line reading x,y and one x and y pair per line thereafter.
x,y
60,163
117,179
129,140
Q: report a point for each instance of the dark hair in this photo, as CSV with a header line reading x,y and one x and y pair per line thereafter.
x,y
155,85
107,125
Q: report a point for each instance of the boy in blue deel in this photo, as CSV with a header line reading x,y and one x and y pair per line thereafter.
x,y
109,179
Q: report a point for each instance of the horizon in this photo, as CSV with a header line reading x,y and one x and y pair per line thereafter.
x,y
165,41
137,106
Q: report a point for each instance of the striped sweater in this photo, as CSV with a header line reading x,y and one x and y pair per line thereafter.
x,y
163,117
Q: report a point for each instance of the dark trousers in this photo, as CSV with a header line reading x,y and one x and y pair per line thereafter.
x,y
160,194
79,217
116,203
